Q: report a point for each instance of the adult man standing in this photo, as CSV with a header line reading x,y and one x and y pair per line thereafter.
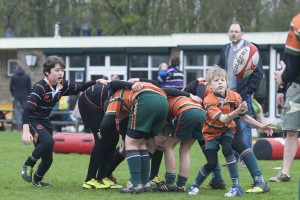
x,y
291,112
20,86
244,86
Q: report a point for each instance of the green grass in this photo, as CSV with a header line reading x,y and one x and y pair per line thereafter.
x,y
68,172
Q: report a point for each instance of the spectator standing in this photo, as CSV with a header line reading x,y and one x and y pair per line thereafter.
x,y
173,78
20,86
162,73
291,112
244,86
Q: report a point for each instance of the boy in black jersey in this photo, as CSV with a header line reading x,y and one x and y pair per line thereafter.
x,y
37,126
91,107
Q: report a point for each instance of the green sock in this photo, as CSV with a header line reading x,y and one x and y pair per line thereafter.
x,y
202,174
134,164
170,178
145,166
181,181
233,169
251,162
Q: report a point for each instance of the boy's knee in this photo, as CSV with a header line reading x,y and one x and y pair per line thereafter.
x,y
227,151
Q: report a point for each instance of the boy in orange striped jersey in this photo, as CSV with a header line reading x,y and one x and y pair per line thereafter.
x,y
147,107
186,117
222,106
200,88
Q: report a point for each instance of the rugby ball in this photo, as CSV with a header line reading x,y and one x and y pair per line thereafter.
x,y
245,61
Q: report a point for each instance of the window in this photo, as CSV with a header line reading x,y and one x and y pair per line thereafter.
x,y
265,57
118,60
11,67
146,66
196,64
194,59
212,59
157,59
139,61
193,74
139,74
97,60
77,76
154,75
77,61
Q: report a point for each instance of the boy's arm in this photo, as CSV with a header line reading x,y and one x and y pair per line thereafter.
x,y
26,136
116,85
265,128
175,92
226,118
133,80
191,87
162,73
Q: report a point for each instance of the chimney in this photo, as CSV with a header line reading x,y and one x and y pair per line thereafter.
x,y
56,30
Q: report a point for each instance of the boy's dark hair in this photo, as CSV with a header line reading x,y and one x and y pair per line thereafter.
x,y
174,61
50,63
239,23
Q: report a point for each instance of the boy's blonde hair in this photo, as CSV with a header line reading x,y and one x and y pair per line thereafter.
x,y
215,71
160,66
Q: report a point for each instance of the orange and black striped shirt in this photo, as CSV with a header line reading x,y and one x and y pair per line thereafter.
x,y
44,96
181,103
123,99
215,106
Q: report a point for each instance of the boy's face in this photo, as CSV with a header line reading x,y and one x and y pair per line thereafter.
x,y
218,85
164,67
56,74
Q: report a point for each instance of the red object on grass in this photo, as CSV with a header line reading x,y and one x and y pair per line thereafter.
x,y
73,143
271,149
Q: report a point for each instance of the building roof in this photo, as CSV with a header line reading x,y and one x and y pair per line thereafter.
x,y
174,40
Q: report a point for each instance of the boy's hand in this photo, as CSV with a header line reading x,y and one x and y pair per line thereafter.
x,y
137,86
26,137
242,107
278,74
268,129
196,98
133,80
201,79
102,81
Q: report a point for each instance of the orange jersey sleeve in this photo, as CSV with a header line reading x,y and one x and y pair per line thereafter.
x,y
293,39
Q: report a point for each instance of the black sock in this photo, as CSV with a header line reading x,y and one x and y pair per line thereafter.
x,y
37,178
155,163
30,161
118,158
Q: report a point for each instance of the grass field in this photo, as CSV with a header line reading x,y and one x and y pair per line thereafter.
x,y
68,172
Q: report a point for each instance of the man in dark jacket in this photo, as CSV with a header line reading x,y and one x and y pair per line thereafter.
x,y
244,86
20,86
